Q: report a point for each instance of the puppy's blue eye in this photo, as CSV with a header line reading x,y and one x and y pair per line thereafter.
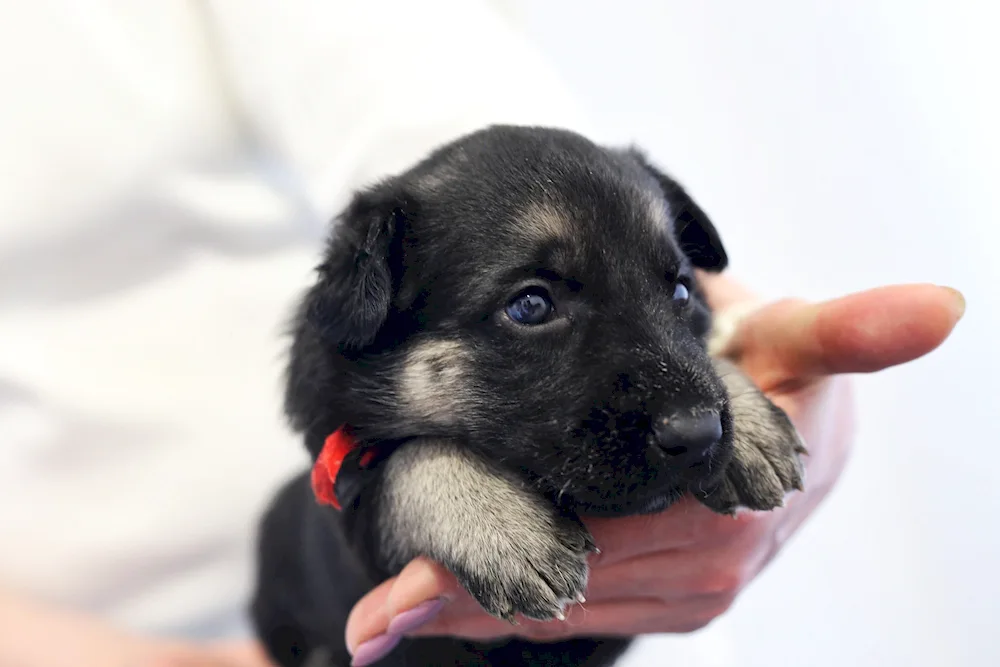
x,y
530,307
681,293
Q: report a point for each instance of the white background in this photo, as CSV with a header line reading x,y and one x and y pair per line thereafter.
x,y
839,146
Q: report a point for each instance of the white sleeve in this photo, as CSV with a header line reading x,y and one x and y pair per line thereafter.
x,y
342,93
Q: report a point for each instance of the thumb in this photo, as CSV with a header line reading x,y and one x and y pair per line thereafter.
x,y
793,341
421,582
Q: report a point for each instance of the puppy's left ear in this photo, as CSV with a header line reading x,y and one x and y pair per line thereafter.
x,y
694,231
359,276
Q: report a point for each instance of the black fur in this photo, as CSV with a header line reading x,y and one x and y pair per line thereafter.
x,y
565,409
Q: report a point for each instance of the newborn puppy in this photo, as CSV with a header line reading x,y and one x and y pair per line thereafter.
x,y
514,336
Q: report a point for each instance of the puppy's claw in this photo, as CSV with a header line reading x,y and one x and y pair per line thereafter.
x,y
534,576
766,462
525,557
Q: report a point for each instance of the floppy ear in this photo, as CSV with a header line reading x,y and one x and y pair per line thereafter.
x,y
350,302
695,233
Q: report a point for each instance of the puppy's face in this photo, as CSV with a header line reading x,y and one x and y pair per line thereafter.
x,y
532,295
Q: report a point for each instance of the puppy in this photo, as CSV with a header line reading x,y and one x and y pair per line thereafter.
x,y
513,333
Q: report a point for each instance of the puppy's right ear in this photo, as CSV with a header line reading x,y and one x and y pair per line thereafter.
x,y
351,300
695,232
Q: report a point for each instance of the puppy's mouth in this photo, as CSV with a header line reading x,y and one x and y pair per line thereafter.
x,y
656,473
629,507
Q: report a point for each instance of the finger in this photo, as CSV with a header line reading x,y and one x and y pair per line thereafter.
x,y
720,561
621,616
684,524
726,563
864,332
695,590
722,291
420,582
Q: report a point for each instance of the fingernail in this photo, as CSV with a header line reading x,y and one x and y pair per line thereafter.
x,y
374,649
411,619
959,301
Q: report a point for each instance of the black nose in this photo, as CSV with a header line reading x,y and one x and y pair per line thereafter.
x,y
688,437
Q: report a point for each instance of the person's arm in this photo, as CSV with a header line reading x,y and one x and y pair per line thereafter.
x,y
340,94
37,635
335,95
32,627
677,571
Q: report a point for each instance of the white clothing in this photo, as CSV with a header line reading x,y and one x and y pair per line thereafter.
x,y
166,174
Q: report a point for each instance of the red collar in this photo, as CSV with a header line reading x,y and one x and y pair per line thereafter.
x,y
336,448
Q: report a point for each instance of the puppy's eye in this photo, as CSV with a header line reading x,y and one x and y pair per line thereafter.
x,y
681,294
530,307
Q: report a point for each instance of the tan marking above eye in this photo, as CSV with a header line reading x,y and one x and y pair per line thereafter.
x,y
542,222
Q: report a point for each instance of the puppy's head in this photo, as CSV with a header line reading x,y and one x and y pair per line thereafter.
x,y
531,294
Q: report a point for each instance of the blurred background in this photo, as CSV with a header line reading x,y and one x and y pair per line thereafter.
x,y
168,170
839,146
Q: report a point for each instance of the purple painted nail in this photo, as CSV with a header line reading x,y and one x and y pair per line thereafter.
x,y
411,619
374,649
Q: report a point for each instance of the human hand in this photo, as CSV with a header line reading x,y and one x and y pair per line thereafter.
x,y
678,570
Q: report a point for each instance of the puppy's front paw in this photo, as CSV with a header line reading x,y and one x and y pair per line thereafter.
x,y
533,565
766,463
507,544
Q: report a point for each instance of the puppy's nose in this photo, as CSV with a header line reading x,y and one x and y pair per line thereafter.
x,y
688,437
